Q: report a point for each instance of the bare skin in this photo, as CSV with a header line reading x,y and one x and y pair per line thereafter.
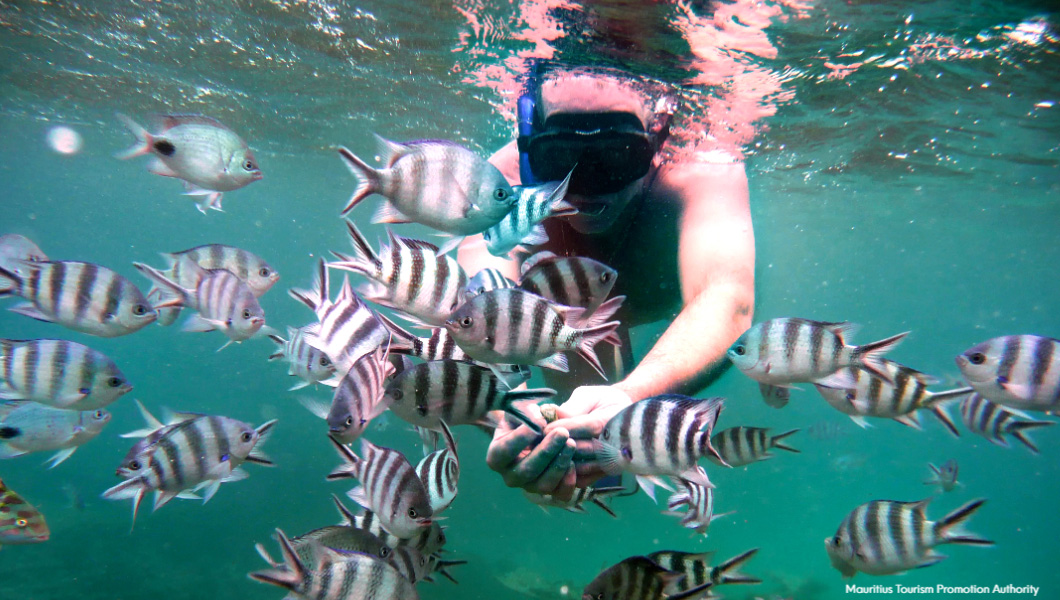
x,y
700,210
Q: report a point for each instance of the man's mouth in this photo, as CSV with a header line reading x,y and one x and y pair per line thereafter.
x,y
591,209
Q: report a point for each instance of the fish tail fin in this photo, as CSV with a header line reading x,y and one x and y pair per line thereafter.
x,y
365,261
320,294
369,182
347,515
870,356
938,402
590,337
776,439
281,352
947,530
10,283
182,296
141,146
350,460
1017,428
727,572
401,340
292,573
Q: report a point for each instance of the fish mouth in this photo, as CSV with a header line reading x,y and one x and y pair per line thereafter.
x,y
125,388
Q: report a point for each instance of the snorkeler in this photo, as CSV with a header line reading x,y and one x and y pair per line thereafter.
x,y
679,234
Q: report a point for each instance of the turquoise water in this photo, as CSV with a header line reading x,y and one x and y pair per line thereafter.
x,y
920,192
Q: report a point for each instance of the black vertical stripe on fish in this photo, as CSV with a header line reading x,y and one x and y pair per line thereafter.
x,y
556,288
896,528
450,383
1009,356
112,298
171,454
490,314
538,319
691,454
396,261
792,329
474,388
85,285
196,448
216,254
55,285
816,340
441,279
218,433
423,388
649,420
870,518
32,288
986,412
763,342
407,480
418,268
33,362
1042,360
581,280
515,319
875,389
901,381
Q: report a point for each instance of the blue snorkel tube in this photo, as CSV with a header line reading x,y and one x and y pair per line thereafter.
x,y
526,129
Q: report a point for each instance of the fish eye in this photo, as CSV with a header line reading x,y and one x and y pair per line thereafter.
x,y
850,396
500,194
605,277
264,272
607,434
249,165
739,350
349,421
466,322
139,310
21,522
114,381
134,465
246,313
98,414
324,362
396,394
384,552
247,436
977,358
412,513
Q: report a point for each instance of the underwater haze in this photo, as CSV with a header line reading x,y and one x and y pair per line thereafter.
x,y
904,164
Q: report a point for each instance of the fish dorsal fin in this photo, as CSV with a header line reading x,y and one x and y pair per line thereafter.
x,y
422,245
535,260
391,151
348,518
168,122
844,330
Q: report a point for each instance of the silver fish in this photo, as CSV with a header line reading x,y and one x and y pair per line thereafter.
x,y
485,280
458,393
14,249
59,373
436,183
407,275
439,472
661,435
568,280
522,225
883,537
305,362
193,451
336,575
994,421
358,399
698,500
640,578
774,395
81,296
206,155
411,563
595,495
27,427
513,326
428,541
785,351
1018,371
389,487
697,570
20,522
945,476
899,396
739,446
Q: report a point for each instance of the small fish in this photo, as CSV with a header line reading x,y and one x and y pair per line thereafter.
x,y
458,393
522,225
14,249
408,275
27,427
568,280
826,431
485,280
439,472
304,361
223,301
774,395
661,435
59,373
1018,371
739,446
428,541
81,296
436,183
640,578
347,328
698,500
883,537
899,396
411,563
513,326
20,523
358,399
945,476
207,156
994,421
581,495
344,538
191,451
255,272
786,351
389,487
697,570
336,575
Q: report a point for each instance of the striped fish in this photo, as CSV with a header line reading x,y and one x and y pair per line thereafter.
x,y
427,541
407,275
697,570
27,427
16,248
411,563
437,565
439,472
640,578
534,204
389,487
458,393
304,361
568,280
661,435
59,373
20,523
899,396
698,501
774,395
336,576
884,537
739,446
358,399
78,295
994,421
255,272
223,301
785,351
945,476
576,503
347,328
436,183
513,326
1017,371
485,280
191,451
343,538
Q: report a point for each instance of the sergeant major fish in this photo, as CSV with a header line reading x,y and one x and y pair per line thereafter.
x,y
358,399
15,248
20,523
698,500
428,541
568,280
523,224
994,421
595,495
439,472
945,476
485,280
81,296
640,578
59,373
697,570
305,362
739,446
27,427
1018,371
206,155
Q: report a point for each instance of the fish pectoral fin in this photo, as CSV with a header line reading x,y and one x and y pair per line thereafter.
x,y
199,323
211,489
60,456
317,407
861,422
162,498
158,167
843,379
237,474
647,483
360,496
31,311
536,236
1021,391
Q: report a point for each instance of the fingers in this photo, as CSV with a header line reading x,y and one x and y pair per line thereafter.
x,y
508,444
581,427
565,490
556,472
533,465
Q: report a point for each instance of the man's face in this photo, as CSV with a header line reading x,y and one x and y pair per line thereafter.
x,y
598,213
